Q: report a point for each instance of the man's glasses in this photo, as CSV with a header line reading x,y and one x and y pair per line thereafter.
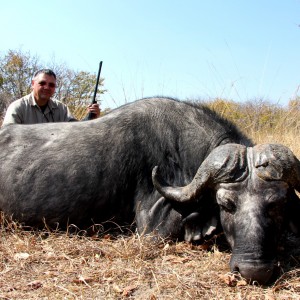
x,y
50,84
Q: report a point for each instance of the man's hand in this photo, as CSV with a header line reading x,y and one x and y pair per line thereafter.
x,y
94,109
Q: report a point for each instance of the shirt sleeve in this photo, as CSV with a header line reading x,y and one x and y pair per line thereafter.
x,y
13,115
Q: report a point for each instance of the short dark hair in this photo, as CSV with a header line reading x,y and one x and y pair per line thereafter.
x,y
44,71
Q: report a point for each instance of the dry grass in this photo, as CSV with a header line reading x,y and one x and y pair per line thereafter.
x,y
57,265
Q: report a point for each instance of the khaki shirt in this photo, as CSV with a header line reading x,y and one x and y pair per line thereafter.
x,y
26,111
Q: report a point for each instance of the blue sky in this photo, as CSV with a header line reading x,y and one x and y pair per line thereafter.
x,y
239,50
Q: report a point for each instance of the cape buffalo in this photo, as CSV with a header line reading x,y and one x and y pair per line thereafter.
x,y
105,169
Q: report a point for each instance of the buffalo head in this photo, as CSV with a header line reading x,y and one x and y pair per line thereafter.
x,y
254,188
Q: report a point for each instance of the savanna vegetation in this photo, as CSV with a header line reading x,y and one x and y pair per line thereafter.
x,y
51,264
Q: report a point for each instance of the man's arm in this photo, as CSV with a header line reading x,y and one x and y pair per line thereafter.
x,y
13,115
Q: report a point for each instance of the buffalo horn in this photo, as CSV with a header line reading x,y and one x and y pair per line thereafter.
x,y
277,162
226,163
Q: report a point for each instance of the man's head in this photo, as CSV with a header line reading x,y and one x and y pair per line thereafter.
x,y
43,85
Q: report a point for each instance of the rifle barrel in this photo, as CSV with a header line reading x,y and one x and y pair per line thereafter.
x,y
96,87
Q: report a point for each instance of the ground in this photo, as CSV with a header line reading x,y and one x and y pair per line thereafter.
x,y
59,265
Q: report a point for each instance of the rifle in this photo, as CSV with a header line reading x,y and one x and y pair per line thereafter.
x,y
91,115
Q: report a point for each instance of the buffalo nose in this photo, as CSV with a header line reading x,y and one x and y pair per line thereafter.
x,y
254,271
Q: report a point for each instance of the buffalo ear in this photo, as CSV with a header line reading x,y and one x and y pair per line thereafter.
x,y
293,213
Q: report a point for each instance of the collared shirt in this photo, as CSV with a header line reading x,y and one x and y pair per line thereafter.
x,y
26,111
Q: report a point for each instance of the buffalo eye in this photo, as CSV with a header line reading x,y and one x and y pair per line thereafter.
x,y
226,200
228,205
262,165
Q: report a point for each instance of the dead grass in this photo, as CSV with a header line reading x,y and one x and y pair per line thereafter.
x,y
57,265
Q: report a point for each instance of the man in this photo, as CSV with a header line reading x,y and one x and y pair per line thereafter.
x,y
40,107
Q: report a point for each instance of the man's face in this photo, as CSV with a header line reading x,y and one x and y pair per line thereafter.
x,y
43,87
